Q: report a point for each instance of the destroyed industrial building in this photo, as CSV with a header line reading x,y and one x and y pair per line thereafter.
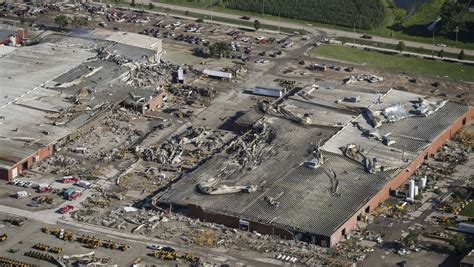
x,y
316,162
41,102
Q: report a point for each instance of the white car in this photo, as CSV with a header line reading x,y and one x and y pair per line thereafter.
x,y
154,246
441,45
21,183
27,184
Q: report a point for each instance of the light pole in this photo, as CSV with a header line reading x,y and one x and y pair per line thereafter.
x,y
211,9
354,34
432,51
457,31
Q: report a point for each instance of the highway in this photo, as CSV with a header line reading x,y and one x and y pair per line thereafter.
x,y
312,29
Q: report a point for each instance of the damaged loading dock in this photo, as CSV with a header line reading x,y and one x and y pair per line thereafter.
x,y
318,205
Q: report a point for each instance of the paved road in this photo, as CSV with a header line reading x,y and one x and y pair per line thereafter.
x,y
52,218
313,29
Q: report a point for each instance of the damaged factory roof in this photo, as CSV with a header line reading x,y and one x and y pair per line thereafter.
x,y
125,38
283,173
24,105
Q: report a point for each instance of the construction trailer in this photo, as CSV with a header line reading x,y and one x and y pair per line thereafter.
x,y
218,74
273,92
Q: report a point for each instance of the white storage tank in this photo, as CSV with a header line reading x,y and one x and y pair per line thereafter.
x,y
423,182
411,190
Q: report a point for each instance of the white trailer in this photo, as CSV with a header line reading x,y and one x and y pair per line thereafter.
x,y
273,92
22,194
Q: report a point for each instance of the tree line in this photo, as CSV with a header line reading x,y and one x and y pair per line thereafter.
x,y
363,14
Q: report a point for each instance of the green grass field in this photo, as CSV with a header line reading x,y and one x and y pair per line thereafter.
x,y
394,47
395,62
468,210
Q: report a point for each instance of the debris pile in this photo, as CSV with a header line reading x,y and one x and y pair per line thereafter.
x,y
249,150
191,94
185,149
363,77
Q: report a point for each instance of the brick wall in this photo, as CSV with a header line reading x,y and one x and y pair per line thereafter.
x,y
4,174
405,174
197,212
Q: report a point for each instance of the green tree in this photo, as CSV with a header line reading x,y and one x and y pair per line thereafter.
x,y
186,13
460,244
441,53
219,49
151,6
133,3
369,14
61,21
257,25
116,2
461,55
168,10
410,240
79,21
401,46
453,14
199,20
399,18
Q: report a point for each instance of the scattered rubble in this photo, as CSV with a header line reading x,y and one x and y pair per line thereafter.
x,y
363,77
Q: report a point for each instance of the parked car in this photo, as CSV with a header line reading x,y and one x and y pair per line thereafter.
x,y
66,209
154,246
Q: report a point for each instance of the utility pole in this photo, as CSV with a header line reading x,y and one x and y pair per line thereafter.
x,y
279,20
457,31
211,9
354,34
263,7
432,51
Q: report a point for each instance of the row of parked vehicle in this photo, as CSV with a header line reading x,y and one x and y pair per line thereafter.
x,y
191,39
21,183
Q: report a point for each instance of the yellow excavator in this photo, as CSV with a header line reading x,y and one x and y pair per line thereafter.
x,y
3,237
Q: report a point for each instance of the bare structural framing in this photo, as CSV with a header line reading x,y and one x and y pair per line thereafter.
x,y
317,161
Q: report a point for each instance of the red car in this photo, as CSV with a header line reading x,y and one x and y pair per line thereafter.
x,y
74,195
66,209
70,179
46,189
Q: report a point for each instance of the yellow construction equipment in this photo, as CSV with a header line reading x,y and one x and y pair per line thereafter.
x,y
137,260
40,246
124,247
94,244
45,230
3,237
56,250
11,262
166,255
